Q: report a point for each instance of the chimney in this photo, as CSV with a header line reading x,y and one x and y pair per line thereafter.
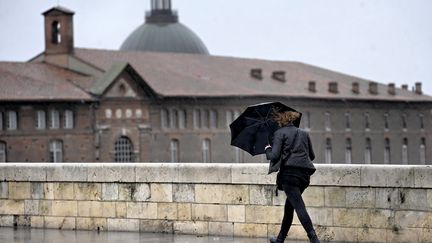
x,y
312,86
333,87
373,88
355,88
418,88
256,73
391,89
405,86
279,75
58,31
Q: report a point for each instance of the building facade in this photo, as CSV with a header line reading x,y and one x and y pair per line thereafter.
x,y
72,104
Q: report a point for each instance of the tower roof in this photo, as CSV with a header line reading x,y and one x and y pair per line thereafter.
x,y
162,32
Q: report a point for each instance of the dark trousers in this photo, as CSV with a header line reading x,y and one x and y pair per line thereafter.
x,y
295,202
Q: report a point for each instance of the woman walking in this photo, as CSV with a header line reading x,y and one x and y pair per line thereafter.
x,y
293,147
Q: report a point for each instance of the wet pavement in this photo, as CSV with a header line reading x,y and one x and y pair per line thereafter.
x,y
27,235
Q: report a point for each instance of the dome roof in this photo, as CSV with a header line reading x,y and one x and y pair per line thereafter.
x,y
164,37
163,33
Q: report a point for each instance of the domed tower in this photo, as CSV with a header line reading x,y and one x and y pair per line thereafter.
x,y
162,32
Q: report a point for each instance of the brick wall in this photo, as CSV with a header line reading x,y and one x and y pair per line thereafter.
x,y
358,203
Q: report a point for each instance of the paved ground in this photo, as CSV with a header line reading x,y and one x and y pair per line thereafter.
x,y
26,235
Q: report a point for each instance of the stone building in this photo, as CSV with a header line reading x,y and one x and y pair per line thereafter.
x,y
163,97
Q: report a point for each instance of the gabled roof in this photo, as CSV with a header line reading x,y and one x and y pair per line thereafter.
x,y
58,9
189,75
106,80
40,82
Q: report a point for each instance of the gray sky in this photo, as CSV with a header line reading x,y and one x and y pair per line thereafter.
x,y
381,40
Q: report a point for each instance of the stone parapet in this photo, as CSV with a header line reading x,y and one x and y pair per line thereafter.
x,y
354,203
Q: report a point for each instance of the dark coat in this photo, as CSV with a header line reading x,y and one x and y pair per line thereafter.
x,y
298,153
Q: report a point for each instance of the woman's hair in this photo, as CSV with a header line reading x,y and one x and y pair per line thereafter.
x,y
285,118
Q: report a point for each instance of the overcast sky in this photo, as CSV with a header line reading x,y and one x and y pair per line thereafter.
x,y
382,40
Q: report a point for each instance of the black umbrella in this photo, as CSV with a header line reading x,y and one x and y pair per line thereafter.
x,y
254,128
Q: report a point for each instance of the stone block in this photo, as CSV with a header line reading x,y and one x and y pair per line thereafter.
x,y
273,229
388,198
142,210
366,234
37,190
429,197
60,223
183,192
204,173
64,208
320,216
352,217
403,235
64,191
426,235
95,224
250,230
6,221
314,196
184,211
22,220
260,194
336,175
67,172
157,172
264,214
226,194
110,191
19,190
8,207
156,226
142,192
255,174
121,209
123,224
88,191
161,192
167,211
413,219
278,200
37,222
126,191
385,176
48,191
221,229
413,199
360,197
378,218
4,189
423,176
337,234
45,207
31,207
112,172
335,196
96,209
297,232
24,172
236,213
209,212
191,227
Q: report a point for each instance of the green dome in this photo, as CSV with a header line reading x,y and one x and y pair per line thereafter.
x,y
164,37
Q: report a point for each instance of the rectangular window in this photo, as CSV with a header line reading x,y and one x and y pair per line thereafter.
x,y
205,119
213,119
206,151
327,121
405,151
367,122
347,121
328,151
55,119
173,118
68,119
368,151
197,119
40,119
229,115
386,124
404,122
348,151
1,120
174,148
422,151
182,119
421,118
12,120
387,151
164,118
56,151
2,152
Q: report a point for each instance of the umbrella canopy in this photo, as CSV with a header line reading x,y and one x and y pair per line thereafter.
x,y
254,128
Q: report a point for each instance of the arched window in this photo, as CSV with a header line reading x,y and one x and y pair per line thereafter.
x,y
387,158
347,121
405,151
174,150
123,150
421,120
367,122
2,151
404,121
56,151
328,151
206,150
55,31
422,151
368,151
348,151
386,123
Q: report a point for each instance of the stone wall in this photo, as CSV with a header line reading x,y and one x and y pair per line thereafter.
x,y
358,203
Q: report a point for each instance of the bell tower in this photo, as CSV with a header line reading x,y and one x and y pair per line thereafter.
x,y
58,30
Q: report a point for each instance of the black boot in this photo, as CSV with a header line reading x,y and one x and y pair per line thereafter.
x,y
313,237
279,239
